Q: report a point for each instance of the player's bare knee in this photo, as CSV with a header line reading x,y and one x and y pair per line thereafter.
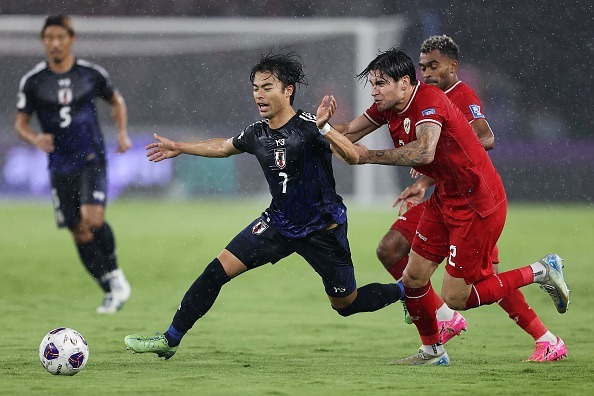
x,y
392,248
456,302
413,279
343,305
94,223
81,235
343,308
384,254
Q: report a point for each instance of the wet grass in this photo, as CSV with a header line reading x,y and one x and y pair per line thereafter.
x,y
272,331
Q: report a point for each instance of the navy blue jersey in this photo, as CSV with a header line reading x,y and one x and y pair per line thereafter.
x,y
297,163
65,107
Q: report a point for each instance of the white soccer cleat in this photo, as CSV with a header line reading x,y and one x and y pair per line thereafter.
x,y
442,359
119,294
554,283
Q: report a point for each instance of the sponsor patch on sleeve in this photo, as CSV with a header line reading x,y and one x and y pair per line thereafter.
x,y
476,111
427,112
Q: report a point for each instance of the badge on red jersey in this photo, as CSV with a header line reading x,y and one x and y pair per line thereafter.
x,y
427,112
407,125
476,111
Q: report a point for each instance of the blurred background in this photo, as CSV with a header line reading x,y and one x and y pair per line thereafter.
x,y
183,68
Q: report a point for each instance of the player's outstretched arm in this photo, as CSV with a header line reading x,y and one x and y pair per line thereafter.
x,y
342,147
354,130
416,153
165,148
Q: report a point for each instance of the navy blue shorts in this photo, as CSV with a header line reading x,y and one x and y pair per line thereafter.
x,y
87,186
327,251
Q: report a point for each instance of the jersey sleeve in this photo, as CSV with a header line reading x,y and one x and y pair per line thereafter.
x,y
311,132
431,108
375,116
104,88
470,105
25,98
243,141
474,111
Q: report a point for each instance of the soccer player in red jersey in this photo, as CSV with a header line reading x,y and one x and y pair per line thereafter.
x,y
464,216
438,63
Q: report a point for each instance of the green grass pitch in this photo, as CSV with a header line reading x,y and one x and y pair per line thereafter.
x,y
272,331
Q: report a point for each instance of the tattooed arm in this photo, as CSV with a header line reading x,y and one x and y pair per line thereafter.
x,y
415,153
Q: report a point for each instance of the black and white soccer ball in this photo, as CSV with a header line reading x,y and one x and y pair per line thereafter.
x,y
63,351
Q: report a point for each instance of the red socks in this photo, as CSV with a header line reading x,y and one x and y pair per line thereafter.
x,y
495,287
520,312
397,269
420,304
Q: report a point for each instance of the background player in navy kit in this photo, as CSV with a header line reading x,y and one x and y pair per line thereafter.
x,y
62,92
306,216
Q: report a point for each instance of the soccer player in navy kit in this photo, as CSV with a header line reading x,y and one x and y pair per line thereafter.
x,y
62,93
306,215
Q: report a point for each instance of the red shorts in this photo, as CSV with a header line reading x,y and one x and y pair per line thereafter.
x,y
408,222
461,235
407,225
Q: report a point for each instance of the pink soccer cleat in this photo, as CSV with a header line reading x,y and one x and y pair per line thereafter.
x,y
547,352
451,328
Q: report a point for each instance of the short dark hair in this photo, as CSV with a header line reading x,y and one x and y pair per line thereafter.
x,y
394,63
287,68
58,20
443,44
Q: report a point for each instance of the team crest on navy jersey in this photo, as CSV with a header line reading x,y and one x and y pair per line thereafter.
x,y
407,125
259,227
280,158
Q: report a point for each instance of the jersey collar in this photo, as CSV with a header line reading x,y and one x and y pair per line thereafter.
x,y
411,97
450,89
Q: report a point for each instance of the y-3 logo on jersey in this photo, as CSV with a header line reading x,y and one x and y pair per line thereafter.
x,y
280,158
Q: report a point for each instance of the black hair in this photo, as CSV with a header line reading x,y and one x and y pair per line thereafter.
x,y
58,20
394,63
287,68
443,44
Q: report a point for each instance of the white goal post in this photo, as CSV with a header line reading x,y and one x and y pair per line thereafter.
x,y
129,37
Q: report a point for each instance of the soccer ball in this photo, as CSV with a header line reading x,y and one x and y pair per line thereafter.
x,y
63,351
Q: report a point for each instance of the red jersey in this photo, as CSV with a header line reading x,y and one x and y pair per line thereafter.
x,y
463,173
466,100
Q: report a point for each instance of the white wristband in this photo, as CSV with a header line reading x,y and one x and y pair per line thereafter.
x,y
325,129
